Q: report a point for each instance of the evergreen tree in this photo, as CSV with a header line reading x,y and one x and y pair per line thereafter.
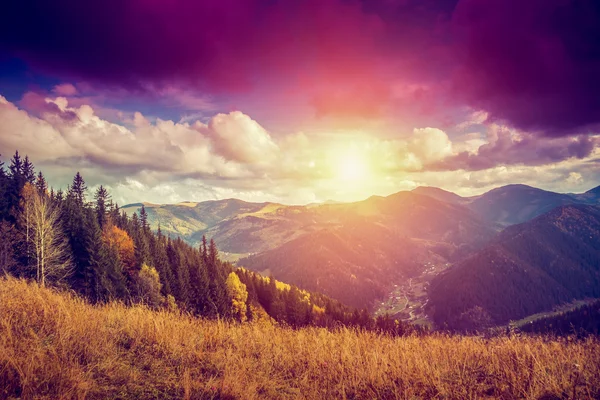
x,y
102,200
28,171
9,248
15,184
81,232
16,168
41,185
60,196
161,262
4,186
144,219
78,188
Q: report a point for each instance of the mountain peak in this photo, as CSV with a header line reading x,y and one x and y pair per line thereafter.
x,y
439,194
595,190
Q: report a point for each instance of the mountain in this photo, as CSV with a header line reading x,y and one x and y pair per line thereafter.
x,y
440,194
356,252
528,268
354,264
367,246
353,252
592,196
513,204
186,219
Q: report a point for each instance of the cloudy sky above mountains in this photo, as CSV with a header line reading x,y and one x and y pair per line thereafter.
x,y
303,100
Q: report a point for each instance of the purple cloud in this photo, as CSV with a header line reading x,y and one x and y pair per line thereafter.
x,y
534,64
506,147
530,64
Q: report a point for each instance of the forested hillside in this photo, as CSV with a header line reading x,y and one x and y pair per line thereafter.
x,y
60,238
581,321
528,268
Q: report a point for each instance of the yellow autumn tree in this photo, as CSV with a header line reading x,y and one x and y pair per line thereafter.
x,y
113,236
239,294
148,285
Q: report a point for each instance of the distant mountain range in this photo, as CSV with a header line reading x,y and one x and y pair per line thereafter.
x,y
350,251
512,204
358,252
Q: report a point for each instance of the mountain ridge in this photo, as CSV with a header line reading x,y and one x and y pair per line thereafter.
x,y
291,241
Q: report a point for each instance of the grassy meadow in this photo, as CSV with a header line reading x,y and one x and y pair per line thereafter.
x,y
54,345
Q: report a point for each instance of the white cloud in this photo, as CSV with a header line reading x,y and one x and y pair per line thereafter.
x,y
430,144
238,137
31,135
232,155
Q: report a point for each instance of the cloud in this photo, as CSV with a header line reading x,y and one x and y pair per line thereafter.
x,y
233,155
216,43
337,54
31,135
531,64
430,144
58,132
65,89
507,146
239,138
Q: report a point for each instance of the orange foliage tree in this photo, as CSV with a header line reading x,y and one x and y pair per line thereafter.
x,y
113,236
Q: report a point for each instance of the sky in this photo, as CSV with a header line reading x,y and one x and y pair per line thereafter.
x,y
302,101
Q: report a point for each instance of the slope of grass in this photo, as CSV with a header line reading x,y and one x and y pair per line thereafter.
x,y
54,345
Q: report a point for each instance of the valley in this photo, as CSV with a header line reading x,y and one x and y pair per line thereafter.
x,y
408,299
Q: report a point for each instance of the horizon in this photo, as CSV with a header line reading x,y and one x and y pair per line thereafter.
x,y
146,203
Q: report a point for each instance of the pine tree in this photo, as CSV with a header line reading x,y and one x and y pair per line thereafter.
x,y
102,200
8,248
144,219
41,184
161,262
15,184
28,171
204,250
78,188
78,221
16,167
213,253
4,186
60,196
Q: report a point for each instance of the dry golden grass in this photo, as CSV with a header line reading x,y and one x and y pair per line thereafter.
x,y
54,346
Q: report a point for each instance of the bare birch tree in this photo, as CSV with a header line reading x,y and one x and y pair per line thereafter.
x,y
50,246
26,213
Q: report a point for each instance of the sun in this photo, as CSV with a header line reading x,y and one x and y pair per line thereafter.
x,y
351,166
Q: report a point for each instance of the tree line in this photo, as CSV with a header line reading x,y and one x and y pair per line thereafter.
x,y
581,321
61,238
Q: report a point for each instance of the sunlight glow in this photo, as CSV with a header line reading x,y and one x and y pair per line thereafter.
x,y
351,166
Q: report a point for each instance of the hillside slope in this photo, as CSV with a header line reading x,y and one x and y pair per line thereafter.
x,y
373,244
56,346
187,218
528,268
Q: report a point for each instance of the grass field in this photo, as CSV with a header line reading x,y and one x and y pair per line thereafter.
x,y
56,346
